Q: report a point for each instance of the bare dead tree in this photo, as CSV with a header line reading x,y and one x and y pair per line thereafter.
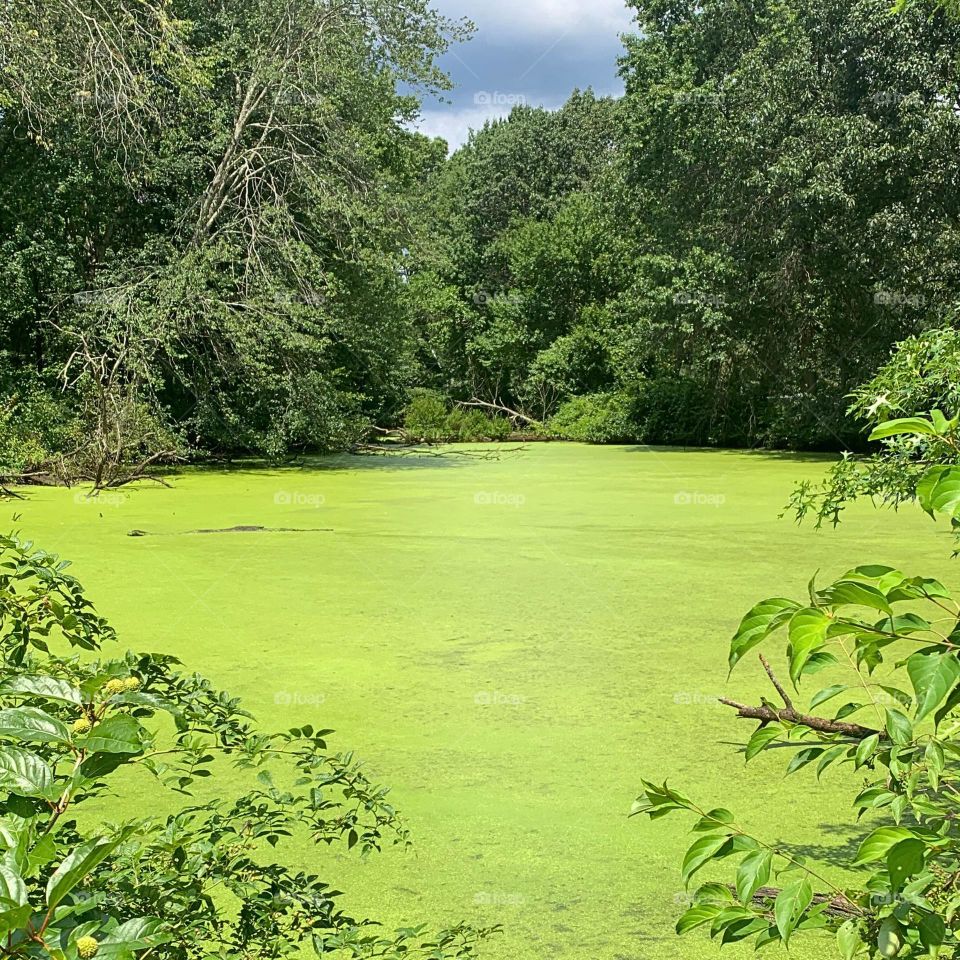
x,y
123,438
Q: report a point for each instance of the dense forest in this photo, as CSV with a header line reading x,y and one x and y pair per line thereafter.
x,y
222,236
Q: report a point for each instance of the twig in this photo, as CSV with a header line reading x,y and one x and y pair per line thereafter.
x,y
789,714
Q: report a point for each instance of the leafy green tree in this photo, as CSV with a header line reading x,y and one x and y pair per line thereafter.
x,y
511,252
227,186
784,169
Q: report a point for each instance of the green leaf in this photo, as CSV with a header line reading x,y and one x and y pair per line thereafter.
x,y
758,624
849,940
12,888
831,755
827,693
77,865
31,724
696,916
932,675
910,425
701,852
117,734
808,632
753,872
899,728
761,737
713,819
932,932
46,687
141,933
802,757
936,761
789,906
878,844
24,772
904,860
938,491
853,593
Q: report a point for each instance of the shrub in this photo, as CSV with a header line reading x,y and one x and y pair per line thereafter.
x,y
36,422
595,418
427,418
672,411
425,415
203,880
473,426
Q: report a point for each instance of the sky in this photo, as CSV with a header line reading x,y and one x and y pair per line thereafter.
x,y
525,51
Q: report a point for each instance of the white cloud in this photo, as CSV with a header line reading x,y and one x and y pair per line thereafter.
x,y
456,123
548,18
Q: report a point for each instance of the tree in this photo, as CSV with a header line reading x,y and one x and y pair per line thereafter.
x,y
75,720
229,183
784,168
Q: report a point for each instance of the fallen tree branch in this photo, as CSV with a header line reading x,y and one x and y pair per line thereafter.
x,y
789,714
839,904
515,414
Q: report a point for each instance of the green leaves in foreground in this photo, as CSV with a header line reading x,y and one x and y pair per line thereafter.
x,y
887,710
155,886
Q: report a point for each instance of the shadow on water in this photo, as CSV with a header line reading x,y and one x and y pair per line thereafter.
x,y
841,853
351,462
790,456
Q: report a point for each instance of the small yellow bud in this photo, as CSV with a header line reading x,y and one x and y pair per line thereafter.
x,y
131,683
87,947
113,687
81,725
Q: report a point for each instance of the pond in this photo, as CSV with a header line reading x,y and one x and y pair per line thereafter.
x,y
512,640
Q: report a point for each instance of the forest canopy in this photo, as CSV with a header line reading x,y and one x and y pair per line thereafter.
x,y
220,234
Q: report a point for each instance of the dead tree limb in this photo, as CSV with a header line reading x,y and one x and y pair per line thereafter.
x,y
515,414
839,905
789,714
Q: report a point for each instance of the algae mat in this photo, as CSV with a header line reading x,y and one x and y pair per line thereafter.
x,y
511,644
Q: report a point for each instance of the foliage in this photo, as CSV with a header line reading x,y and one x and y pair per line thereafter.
x,y
507,260
79,722
595,418
923,373
228,189
33,421
762,215
907,747
428,417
